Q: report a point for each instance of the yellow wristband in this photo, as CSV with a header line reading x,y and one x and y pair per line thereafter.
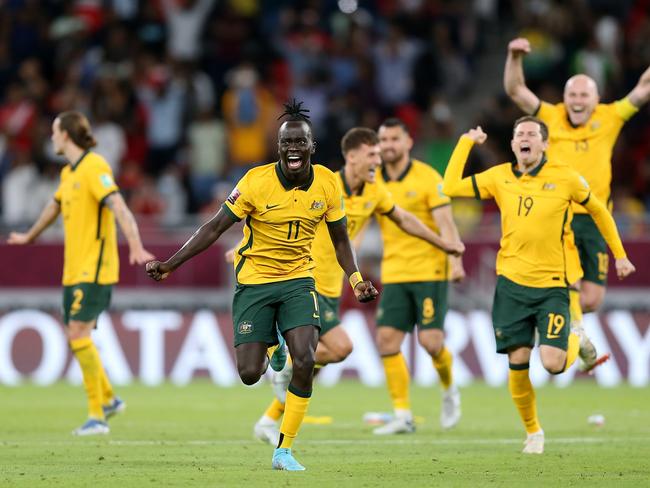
x,y
355,279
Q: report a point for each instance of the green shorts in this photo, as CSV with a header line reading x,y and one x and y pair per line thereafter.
x,y
258,309
403,305
519,310
329,313
592,249
85,301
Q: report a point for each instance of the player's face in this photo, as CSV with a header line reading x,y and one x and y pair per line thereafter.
x,y
58,136
527,143
395,144
295,147
364,161
580,98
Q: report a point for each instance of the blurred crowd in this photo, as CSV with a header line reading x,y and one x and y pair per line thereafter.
x,y
184,95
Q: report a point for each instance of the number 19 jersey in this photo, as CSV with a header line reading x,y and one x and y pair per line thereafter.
x,y
281,222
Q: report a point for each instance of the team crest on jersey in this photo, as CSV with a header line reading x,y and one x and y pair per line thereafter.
x,y
317,205
595,125
234,195
548,186
245,327
411,194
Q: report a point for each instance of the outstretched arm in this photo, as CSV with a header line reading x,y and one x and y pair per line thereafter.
x,y
410,224
513,77
48,215
363,290
199,242
607,227
125,219
454,185
640,94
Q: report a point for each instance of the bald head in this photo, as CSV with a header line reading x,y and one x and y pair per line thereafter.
x,y
580,98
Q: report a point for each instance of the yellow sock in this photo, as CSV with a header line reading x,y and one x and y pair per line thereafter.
x,y
572,351
275,410
442,362
88,357
294,412
574,306
107,388
522,393
397,377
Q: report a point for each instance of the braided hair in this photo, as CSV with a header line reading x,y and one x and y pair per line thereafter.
x,y
295,113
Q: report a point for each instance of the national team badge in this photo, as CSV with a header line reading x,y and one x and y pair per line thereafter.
x,y
317,205
549,186
411,194
245,327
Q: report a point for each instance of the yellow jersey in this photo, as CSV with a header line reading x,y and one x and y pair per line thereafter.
x,y
588,148
281,222
534,210
407,258
90,236
372,198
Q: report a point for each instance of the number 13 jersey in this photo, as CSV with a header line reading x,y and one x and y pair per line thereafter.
x,y
281,222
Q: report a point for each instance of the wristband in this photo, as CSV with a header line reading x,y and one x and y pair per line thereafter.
x,y
355,279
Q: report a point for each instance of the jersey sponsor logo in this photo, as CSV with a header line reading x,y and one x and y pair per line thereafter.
x,y
317,205
269,207
234,195
245,327
106,180
548,186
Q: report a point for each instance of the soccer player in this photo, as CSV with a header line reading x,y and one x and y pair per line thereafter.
x,y
583,133
90,203
283,204
415,278
363,196
534,196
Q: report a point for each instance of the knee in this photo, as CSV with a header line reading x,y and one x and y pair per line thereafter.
x,y
386,344
342,351
555,365
303,362
249,373
591,300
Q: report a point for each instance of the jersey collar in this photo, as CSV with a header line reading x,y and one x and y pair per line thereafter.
x,y
384,173
534,172
78,161
287,185
346,188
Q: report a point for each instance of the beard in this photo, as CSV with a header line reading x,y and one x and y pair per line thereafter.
x,y
391,157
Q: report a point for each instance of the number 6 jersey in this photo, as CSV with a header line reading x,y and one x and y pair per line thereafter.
x,y
281,222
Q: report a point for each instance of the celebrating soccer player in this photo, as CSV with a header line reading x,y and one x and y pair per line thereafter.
x,y
90,203
534,195
363,196
283,204
583,133
415,278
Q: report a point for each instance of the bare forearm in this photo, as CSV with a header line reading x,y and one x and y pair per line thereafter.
x,y
47,217
415,227
344,253
128,226
203,238
513,74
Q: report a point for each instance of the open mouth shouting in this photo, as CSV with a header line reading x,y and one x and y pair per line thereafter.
x,y
294,161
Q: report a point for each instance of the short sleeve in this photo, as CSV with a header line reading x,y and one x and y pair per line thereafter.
x,y
546,112
240,201
58,194
385,202
580,191
625,109
436,198
484,184
100,180
335,207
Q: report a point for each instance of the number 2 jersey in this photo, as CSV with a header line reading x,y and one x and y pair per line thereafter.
x,y
281,222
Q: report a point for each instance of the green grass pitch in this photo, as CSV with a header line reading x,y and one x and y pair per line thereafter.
x,y
201,435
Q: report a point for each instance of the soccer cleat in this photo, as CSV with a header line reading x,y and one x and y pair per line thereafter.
x,y
284,460
534,443
280,381
450,412
116,406
92,427
279,357
587,352
396,426
268,433
602,359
